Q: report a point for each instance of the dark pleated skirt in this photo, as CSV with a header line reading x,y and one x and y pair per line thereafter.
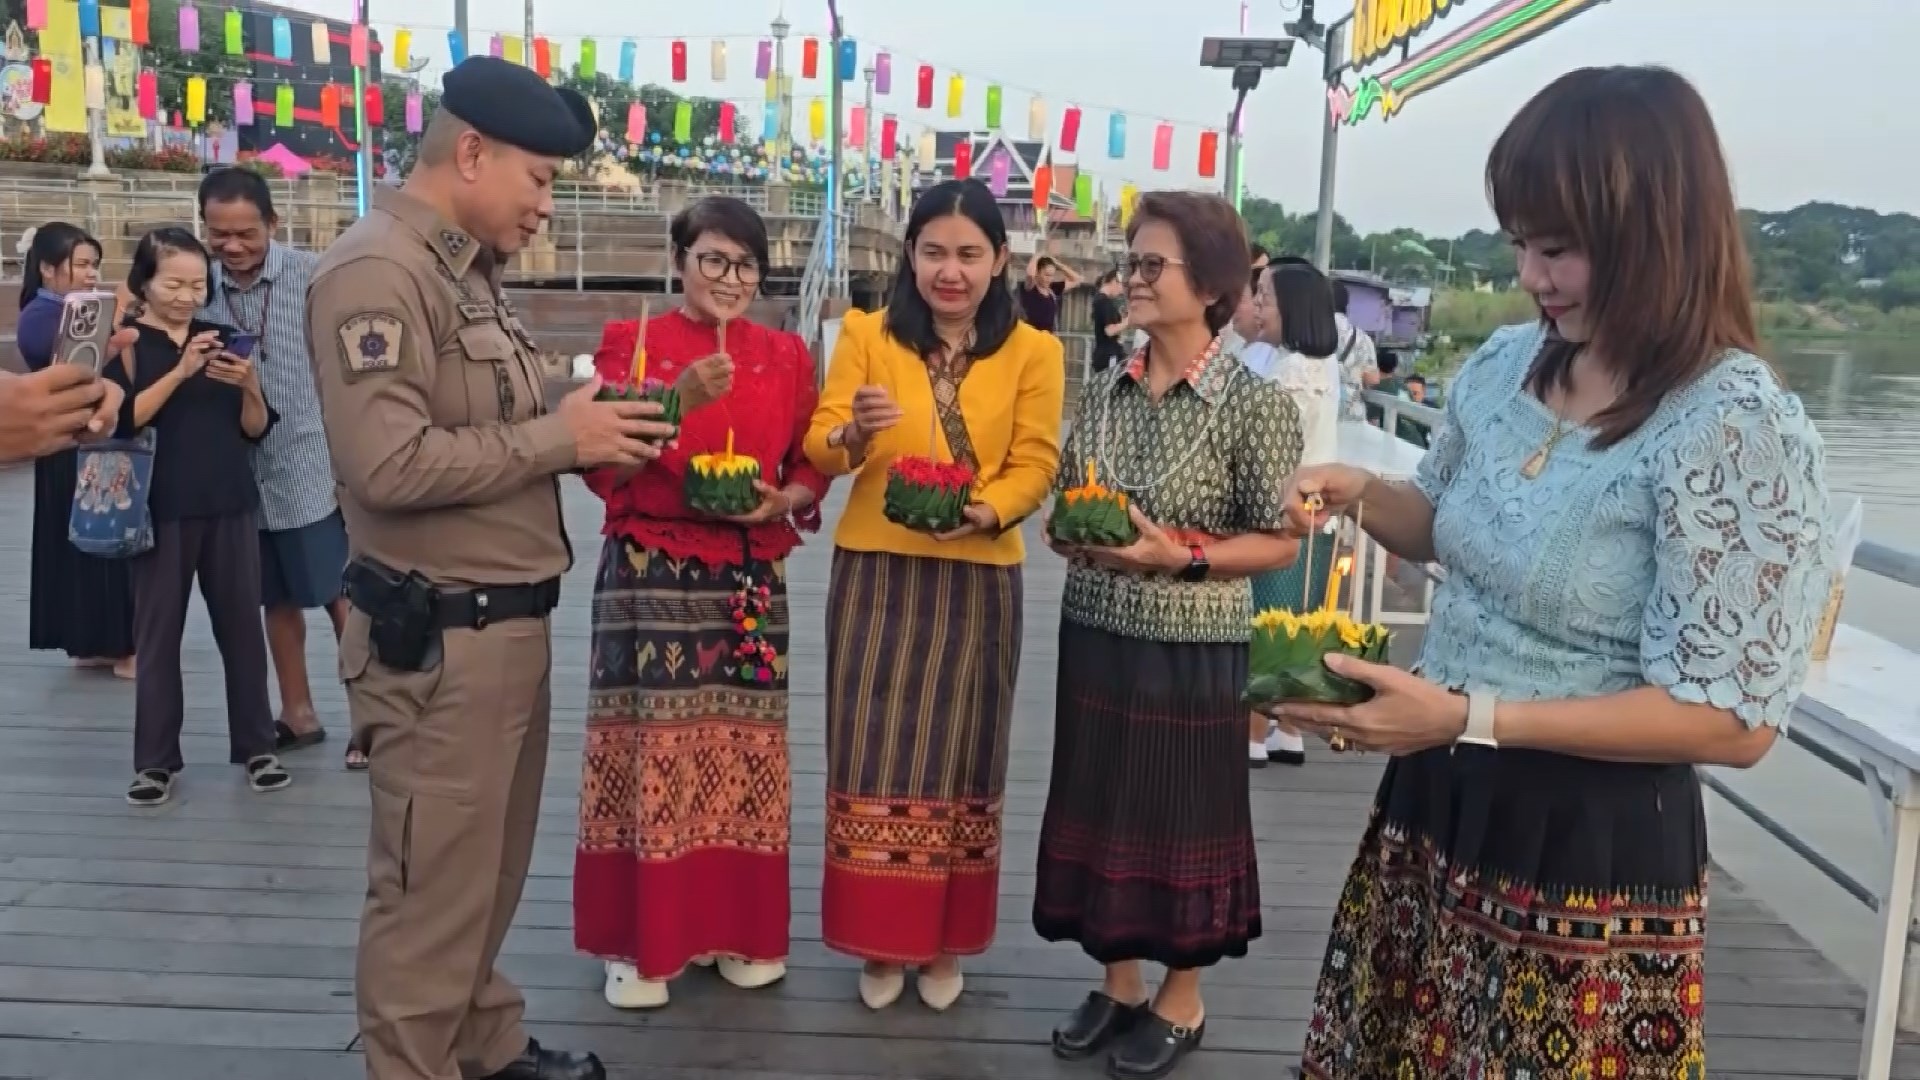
x,y
1516,913
80,605
1146,847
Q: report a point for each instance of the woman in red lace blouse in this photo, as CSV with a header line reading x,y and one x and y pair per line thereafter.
x,y
685,791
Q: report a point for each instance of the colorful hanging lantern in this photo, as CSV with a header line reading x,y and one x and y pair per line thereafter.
x,y
883,73
1116,136
322,40
93,85
589,63
41,86
956,95
770,123
357,46
928,151
683,121
282,104
816,120
1129,195
416,113
1042,188
543,57
849,59
889,138
999,170
330,106
197,100
1163,147
810,58
89,18
857,127
1037,121
636,123
1070,129
243,103
139,22
679,61
282,38
923,87
147,95
773,89
1209,153
373,103
994,99
402,50
717,60
1083,195
235,36
962,159
629,52
727,118
763,60
37,15
456,46
556,60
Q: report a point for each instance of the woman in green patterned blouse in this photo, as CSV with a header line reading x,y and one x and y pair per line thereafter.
x,y
1146,849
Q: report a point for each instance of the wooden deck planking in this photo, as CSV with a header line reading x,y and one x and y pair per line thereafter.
x,y
185,942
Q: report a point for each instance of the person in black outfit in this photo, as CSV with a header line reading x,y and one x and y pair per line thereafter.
x,y
77,603
1109,322
207,412
1047,284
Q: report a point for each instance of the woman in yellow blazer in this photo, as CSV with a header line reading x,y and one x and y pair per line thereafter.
x,y
923,629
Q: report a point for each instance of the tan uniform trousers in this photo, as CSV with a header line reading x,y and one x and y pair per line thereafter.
x,y
458,755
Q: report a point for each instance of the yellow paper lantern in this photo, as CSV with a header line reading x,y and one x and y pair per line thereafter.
x,y
956,95
322,43
1129,194
93,84
402,50
1037,121
513,50
817,120
196,100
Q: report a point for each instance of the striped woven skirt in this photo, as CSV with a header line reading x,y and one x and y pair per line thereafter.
x,y
1146,848
1519,914
921,660
685,788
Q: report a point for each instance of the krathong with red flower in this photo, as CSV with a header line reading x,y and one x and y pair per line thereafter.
x,y
1092,515
723,484
926,494
640,388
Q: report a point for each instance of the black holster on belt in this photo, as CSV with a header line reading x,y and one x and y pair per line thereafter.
x,y
405,633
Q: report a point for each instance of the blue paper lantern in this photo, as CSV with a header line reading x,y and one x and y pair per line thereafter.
x,y
1116,136
849,59
627,50
456,46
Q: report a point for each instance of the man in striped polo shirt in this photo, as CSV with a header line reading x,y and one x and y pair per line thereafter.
x,y
259,287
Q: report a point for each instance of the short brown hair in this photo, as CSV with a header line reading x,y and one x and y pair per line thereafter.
x,y
1213,240
1624,165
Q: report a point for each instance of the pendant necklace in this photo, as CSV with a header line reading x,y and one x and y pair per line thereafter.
x,y
1537,464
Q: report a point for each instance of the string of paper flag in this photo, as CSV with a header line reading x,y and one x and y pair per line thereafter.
x,y
930,93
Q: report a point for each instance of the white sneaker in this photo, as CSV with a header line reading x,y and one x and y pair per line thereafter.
x,y
625,988
1256,755
748,976
1284,748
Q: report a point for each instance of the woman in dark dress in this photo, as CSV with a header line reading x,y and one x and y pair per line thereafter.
x,y
80,604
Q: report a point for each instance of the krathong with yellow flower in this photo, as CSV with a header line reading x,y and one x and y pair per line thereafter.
x,y
1092,515
1286,658
927,494
723,484
640,388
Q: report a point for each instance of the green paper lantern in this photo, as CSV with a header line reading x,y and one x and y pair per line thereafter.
x,y
283,106
993,107
1286,657
683,121
589,57
1083,195
236,44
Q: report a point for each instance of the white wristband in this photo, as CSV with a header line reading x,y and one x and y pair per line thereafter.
x,y
1480,706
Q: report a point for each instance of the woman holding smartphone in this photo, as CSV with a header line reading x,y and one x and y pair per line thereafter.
x,y
206,409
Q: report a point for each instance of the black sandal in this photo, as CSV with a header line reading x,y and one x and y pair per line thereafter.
x,y
356,759
150,787
285,738
264,773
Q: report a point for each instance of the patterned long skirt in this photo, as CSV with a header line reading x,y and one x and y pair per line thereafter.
x,y
1146,847
1518,915
922,655
1301,587
685,792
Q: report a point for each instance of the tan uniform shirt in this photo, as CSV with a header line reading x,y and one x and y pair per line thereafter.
x,y
433,399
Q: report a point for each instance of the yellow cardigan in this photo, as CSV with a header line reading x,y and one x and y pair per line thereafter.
x,y
1011,401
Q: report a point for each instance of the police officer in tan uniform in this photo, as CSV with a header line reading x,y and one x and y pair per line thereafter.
x,y
448,461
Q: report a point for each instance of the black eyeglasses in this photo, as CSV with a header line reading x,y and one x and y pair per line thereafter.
x,y
1149,267
714,266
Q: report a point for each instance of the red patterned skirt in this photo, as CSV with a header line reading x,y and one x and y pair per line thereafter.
x,y
1146,847
1519,915
921,660
685,790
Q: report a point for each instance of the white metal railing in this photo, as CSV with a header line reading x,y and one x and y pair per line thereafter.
x,y
816,285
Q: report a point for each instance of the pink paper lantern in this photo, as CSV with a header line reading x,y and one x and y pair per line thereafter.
x,y
147,94
726,121
883,73
243,103
36,14
189,28
415,120
636,123
1163,147
998,171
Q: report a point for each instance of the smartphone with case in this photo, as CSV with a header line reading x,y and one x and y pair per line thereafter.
x,y
243,345
86,325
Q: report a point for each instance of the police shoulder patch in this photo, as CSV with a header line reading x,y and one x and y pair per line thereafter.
x,y
370,343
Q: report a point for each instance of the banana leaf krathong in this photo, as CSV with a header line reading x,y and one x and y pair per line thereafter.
x,y
1092,515
646,390
1286,658
722,484
926,494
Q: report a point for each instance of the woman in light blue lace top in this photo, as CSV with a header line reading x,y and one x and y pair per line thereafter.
x,y
1632,513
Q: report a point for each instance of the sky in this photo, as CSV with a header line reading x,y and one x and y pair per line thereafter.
x,y
1809,98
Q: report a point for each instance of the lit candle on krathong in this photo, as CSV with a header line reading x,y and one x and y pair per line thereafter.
x,y
1341,567
1090,474
729,444
639,367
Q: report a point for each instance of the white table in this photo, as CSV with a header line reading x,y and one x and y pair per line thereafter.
x,y
1859,703
1367,447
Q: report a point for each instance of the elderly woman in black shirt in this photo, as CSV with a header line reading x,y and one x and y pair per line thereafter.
x,y
206,410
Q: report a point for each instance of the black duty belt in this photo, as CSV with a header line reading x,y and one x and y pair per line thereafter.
x,y
466,609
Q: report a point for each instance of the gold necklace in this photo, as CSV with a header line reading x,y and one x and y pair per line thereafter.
x,y
1537,464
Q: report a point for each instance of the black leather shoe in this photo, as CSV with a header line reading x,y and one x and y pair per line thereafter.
x,y
1093,1024
1153,1048
537,1063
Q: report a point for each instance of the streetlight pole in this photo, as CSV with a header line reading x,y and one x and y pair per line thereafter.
x,y
1329,149
96,118
362,78
836,227
460,21
872,191
526,43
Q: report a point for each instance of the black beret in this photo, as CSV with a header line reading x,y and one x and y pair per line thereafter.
x,y
513,104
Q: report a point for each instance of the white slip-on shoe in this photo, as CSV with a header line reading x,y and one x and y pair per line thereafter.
x,y
625,988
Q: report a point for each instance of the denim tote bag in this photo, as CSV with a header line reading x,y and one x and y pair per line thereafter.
x,y
110,518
